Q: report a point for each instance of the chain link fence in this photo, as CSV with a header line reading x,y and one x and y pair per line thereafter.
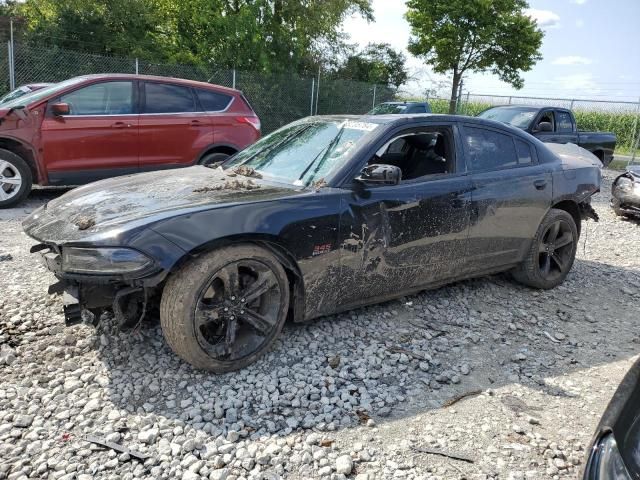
x,y
277,98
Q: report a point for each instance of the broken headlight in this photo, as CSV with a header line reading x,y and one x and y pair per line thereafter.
x,y
625,184
606,463
103,261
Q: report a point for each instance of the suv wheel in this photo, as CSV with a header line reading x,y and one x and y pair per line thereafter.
x,y
15,179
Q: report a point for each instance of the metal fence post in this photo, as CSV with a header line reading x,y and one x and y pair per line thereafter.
x,y
635,141
509,100
9,65
137,69
12,60
318,91
572,102
374,95
466,105
313,88
233,79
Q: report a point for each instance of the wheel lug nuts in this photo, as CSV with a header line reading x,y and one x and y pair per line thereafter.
x,y
243,300
241,312
226,309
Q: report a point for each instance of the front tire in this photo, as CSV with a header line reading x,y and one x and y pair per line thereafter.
x,y
15,179
552,252
223,310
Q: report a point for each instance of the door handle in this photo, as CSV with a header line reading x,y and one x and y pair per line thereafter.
x,y
121,125
540,184
198,123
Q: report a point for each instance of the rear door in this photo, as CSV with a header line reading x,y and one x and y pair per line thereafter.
x,y
511,194
174,129
566,131
97,139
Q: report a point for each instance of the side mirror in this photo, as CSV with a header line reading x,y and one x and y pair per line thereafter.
x,y
380,175
545,127
59,109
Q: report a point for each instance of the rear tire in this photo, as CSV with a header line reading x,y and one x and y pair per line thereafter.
x,y
552,252
16,179
224,310
211,159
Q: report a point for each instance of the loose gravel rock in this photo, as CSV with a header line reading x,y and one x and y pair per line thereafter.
x,y
525,375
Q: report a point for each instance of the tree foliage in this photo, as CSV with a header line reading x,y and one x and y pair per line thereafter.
x,y
377,63
461,36
263,35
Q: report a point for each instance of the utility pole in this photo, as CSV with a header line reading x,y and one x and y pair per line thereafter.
x,y
459,96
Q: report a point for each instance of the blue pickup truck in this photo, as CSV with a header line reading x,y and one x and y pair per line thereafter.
x,y
554,125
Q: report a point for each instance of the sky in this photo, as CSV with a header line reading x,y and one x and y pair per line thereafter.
x,y
591,49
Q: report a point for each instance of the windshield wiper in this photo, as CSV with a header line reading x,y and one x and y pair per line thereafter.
x,y
276,145
323,155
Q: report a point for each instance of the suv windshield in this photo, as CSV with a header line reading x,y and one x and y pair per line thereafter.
x,y
388,108
42,93
305,152
517,117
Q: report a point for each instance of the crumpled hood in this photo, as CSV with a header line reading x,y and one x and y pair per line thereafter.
x,y
138,200
573,156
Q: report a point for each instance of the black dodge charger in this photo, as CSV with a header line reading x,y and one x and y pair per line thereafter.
x,y
323,215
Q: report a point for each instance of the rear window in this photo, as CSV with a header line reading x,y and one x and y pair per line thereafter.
x,y
166,98
563,122
213,101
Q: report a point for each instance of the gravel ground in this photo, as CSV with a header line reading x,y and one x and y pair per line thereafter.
x,y
356,395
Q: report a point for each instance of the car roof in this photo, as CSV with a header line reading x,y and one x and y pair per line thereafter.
x,y
156,78
403,103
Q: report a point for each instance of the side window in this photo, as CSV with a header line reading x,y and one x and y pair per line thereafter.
x,y
563,122
213,101
166,98
489,150
524,152
108,98
547,116
419,153
418,109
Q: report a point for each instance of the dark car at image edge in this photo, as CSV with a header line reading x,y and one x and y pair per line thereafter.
x,y
100,126
615,448
324,215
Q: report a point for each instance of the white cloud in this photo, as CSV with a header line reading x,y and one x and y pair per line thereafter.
x,y
579,2
544,18
579,23
572,60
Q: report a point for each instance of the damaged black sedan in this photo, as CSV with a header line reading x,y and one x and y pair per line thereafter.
x,y
323,215
625,193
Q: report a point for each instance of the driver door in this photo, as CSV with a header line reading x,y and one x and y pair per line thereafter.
x,y
399,238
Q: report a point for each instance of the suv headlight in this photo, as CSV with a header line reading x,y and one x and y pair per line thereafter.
x,y
606,463
103,261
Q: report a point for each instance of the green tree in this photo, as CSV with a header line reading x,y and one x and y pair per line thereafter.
x,y
461,36
377,63
263,35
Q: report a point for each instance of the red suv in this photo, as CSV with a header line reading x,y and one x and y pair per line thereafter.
x,y
98,126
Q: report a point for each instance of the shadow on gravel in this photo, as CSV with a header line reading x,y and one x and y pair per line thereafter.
x,y
395,359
